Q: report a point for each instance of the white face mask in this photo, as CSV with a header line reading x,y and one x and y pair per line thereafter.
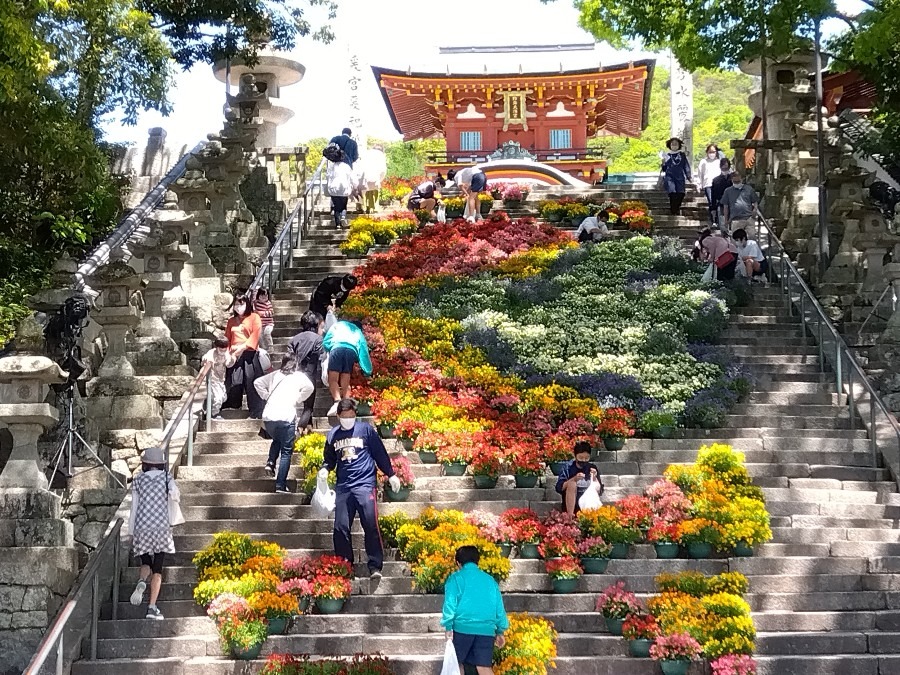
x,y
240,309
712,155
347,423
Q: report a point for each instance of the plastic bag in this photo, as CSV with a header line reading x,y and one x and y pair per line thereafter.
x,y
265,361
323,499
451,664
442,214
325,371
591,498
709,274
330,319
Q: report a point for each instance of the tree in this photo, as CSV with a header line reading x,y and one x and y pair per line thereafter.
x,y
704,33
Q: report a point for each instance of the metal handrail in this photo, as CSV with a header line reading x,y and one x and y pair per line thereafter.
x,y
841,359
89,575
875,307
187,408
302,212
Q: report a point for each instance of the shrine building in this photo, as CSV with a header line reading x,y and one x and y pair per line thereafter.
x,y
542,119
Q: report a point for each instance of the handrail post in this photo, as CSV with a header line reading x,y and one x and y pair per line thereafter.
x,y
209,416
850,399
291,243
115,587
873,435
60,661
838,357
802,315
95,611
271,266
821,341
190,432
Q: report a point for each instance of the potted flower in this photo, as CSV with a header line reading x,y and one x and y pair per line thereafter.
x,y
658,423
615,426
485,466
300,589
330,592
422,215
386,411
525,531
454,452
512,195
403,471
275,608
616,604
485,202
664,537
699,536
635,512
493,529
564,573
640,630
560,532
551,210
576,212
675,653
426,446
241,631
557,451
733,664
528,464
454,206
594,553
606,522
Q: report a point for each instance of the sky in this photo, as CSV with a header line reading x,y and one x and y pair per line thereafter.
x,y
397,34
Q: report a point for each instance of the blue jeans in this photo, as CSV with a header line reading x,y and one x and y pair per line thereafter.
x,y
713,208
282,434
358,500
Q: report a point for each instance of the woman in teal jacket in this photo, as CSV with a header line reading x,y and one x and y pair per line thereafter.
x,y
473,615
346,346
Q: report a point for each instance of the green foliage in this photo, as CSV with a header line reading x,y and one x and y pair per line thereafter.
x,y
721,114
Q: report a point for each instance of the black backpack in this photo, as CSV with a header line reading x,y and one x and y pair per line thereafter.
x,y
333,153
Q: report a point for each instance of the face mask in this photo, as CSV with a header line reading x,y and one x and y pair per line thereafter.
x,y
239,309
736,183
711,155
347,423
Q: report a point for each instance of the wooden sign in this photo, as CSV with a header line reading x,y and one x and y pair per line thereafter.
x,y
515,106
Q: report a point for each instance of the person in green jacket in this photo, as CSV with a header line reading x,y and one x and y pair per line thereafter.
x,y
473,615
346,346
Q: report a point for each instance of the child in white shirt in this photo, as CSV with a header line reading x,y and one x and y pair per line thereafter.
x,y
750,254
221,358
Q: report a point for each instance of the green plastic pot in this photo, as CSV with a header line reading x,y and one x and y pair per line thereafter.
x,y
278,626
743,550
640,648
329,605
485,482
699,550
554,217
666,550
614,626
564,585
578,220
512,203
382,239
619,551
407,444
386,430
557,467
250,654
363,408
594,565
302,605
454,469
453,213
614,444
428,457
664,432
401,496
674,667
505,550
529,552
486,208
526,480
437,590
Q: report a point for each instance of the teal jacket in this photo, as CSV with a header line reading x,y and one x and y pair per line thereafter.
x,y
473,604
346,334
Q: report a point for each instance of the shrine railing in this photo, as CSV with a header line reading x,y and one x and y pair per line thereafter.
x,y
557,155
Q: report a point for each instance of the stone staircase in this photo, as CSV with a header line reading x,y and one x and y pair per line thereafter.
x,y
825,592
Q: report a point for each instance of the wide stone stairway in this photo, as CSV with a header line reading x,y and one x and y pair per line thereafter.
x,y
825,592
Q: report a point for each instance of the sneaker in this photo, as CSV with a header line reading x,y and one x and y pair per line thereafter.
x,y
138,596
154,613
283,491
218,418
375,575
270,470
333,409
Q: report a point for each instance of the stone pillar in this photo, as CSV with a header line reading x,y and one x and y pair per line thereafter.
x,y
38,561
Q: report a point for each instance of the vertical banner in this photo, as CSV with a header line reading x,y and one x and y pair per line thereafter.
x,y
682,88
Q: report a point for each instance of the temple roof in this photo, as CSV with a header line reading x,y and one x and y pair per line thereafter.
x,y
619,104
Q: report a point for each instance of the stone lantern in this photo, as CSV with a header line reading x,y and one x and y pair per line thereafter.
x,y
117,282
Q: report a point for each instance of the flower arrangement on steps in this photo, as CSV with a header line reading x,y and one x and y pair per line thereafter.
x,y
293,664
368,231
631,215
403,470
530,647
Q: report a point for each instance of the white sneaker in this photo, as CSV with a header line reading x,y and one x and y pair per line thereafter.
x,y
138,596
333,409
154,613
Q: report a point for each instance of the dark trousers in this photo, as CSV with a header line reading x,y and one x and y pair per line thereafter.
x,y
339,208
713,208
347,505
675,199
282,447
306,415
239,379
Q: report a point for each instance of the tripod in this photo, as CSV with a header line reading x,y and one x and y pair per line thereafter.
x,y
67,445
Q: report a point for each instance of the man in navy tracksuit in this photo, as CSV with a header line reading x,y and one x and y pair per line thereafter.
x,y
355,449
348,145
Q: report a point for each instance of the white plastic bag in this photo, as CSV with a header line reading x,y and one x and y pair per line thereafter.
x,y
442,214
591,498
709,274
323,499
330,319
265,361
325,371
451,664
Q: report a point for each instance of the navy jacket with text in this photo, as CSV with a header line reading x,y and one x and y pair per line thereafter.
x,y
355,454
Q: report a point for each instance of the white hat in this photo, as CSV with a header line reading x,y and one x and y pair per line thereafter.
x,y
153,456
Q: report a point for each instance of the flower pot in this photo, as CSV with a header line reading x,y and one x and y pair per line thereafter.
x,y
640,648
437,590
529,551
699,550
578,220
303,605
407,443
484,482
329,605
557,467
564,585
594,565
661,432
386,430
250,654
526,481
400,496
428,457
363,408
455,469
496,194
675,667
554,217
486,208
666,550
382,240
619,551
614,626
505,550
512,203
453,213
743,550
614,444
278,626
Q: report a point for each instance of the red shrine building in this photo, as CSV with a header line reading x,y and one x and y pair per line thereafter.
x,y
544,118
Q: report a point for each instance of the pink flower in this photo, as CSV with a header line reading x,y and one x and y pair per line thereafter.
x,y
298,587
676,647
733,664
